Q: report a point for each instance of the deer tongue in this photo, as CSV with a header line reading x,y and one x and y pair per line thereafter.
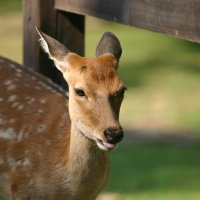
x,y
109,145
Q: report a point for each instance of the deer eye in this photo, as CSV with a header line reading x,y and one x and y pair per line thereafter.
x,y
79,92
121,92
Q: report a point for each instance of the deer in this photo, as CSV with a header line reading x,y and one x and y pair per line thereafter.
x,y
54,144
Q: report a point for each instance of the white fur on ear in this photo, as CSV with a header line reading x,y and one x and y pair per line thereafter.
x,y
55,50
43,44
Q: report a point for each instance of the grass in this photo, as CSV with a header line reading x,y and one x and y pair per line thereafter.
x,y
162,75
154,171
11,6
11,29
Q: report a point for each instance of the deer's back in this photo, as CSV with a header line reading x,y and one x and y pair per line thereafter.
x,y
33,129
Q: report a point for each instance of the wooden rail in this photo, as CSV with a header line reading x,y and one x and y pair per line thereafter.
x,y
64,20
179,18
66,27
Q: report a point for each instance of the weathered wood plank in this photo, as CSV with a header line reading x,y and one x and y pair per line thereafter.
x,y
30,47
66,27
179,18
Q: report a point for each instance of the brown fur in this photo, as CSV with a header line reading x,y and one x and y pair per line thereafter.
x,y
47,145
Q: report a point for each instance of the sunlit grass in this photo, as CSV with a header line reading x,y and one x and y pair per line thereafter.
x,y
11,36
162,75
163,79
8,7
155,171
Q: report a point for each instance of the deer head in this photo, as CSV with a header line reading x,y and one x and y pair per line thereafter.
x,y
95,89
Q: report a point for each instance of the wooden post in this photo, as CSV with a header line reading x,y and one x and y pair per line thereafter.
x,y
178,18
65,27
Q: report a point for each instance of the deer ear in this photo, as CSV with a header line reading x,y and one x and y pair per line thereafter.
x,y
55,50
110,44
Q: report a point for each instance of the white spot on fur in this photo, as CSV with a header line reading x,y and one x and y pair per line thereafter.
x,y
26,162
32,100
1,161
19,70
48,142
15,104
45,86
4,175
2,60
18,74
26,151
33,77
37,88
19,162
12,66
41,128
20,136
8,82
41,83
7,134
20,107
43,101
11,121
12,98
40,111
11,87
10,161
39,153
1,121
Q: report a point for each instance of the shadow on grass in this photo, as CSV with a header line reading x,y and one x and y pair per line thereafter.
x,y
137,74
155,165
138,166
139,64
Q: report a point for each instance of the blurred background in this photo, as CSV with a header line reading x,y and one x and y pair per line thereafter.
x,y
159,158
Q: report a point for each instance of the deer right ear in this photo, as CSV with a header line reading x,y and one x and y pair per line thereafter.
x,y
55,50
109,43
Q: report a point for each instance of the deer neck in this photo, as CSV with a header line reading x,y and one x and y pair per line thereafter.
x,y
84,149
87,163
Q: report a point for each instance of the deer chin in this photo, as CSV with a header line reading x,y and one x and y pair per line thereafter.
x,y
105,145
102,144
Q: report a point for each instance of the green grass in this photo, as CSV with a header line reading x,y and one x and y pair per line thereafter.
x,y
154,171
10,6
162,75
157,172
163,79
11,29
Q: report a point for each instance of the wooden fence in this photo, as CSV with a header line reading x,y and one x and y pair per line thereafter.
x,y
64,20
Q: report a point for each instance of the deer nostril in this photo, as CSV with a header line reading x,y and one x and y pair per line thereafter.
x,y
114,135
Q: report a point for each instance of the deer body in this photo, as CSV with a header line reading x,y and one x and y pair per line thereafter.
x,y
50,147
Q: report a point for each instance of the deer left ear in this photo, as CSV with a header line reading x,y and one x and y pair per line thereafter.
x,y
109,44
55,50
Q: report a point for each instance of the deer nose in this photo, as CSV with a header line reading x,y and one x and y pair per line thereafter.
x,y
114,136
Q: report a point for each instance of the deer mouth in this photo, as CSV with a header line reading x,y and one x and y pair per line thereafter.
x,y
105,145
